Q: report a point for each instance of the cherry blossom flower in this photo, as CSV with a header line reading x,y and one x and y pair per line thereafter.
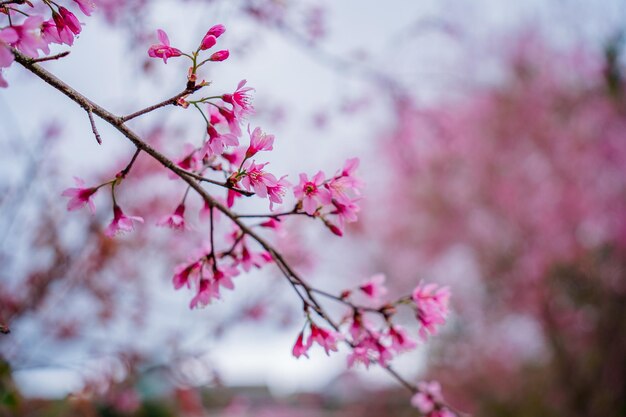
x,y
163,49
70,20
359,354
50,33
222,277
206,292
325,338
86,6
432,307
428,396
254,178
374,287
7,36
184,272
400,341
29,37
300,348
259,141
346,211
217,143
121,222
192,161
232,120
175,220
272,223
311,192
80,196
240,100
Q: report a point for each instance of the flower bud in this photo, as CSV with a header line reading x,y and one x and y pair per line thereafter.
x,y
208,42
219,56
216,31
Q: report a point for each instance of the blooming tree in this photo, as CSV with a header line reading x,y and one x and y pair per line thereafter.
x,y
214,178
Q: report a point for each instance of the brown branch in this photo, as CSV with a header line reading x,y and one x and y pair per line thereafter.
x,y
52,57
164,103
94,129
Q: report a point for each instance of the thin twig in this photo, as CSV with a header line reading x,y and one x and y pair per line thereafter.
x,y
125,171
94,129
51,57
210,181
164,103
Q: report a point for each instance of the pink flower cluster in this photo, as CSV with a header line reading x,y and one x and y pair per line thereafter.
x,y
428,400
333,200
211,270
164,50
326,338
35,33
431,306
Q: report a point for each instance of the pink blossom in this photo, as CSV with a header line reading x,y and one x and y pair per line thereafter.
x,y
344,185
427,397
217,142
29,37
121,222
192,161
175,220
7,36
64,33
163,50
346,211
80,196
326,338
240,100
311,192
431,305
272,223
259,141
254,178
50,32
300,348
3,82
374,288
220,56
206,292
222,277
86,6
70,20
251,259
359,354
277,191
183,273
232,120
400,340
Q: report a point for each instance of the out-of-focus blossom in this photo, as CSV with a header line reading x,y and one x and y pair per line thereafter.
x,y
121,222
80,196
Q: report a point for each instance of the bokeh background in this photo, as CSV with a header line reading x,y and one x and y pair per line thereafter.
x,y
492,137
